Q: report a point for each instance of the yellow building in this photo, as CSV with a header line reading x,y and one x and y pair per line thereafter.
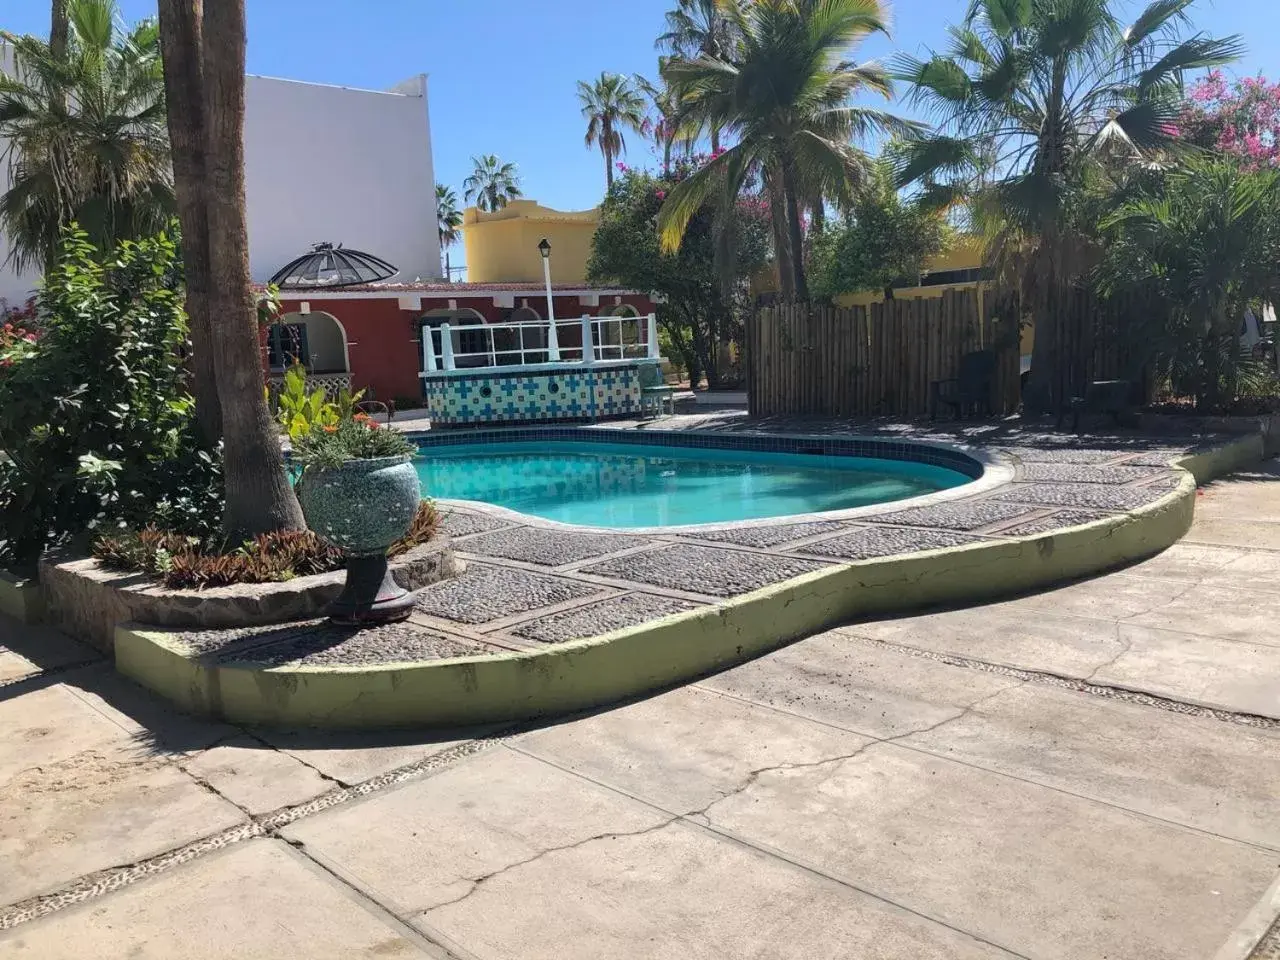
x,y
958,268
502,247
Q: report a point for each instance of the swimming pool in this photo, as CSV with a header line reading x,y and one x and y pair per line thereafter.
x,y
631,485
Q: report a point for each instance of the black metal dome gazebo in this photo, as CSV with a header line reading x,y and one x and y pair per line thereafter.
x,y
328,266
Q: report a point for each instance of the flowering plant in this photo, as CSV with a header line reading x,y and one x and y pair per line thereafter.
x,y
18,333
357,438
1240,119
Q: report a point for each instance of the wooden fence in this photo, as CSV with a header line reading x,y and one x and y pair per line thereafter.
x,y
877,360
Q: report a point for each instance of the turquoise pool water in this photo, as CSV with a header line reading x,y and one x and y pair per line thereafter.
x,y
621,485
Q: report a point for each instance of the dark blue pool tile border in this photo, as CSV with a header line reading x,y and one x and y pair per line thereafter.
x,y
762,443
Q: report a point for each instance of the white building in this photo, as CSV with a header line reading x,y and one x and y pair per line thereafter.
x,y
324,163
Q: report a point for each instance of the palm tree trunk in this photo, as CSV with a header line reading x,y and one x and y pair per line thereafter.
x,y
608,168
781,241
59,28
259,496
180,45
795,233
715,139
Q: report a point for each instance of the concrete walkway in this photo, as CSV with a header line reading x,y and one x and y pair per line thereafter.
x,y
1088,773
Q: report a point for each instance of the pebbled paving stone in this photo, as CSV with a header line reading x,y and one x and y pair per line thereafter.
x,y
962,515
1079,495
1158,458
719,573
321,642
615,613
872,542
1057,521
459,523
1087,473
487,593
550,548
1063,455
769,536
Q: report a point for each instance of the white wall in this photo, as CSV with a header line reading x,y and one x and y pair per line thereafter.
x,y
347,166
14,287
325,163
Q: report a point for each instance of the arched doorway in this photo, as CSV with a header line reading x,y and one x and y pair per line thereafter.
x,y
316,340
626,336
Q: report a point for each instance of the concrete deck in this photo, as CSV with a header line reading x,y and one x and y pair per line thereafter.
x,y
1085,773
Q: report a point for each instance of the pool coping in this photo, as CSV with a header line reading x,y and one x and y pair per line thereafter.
x,y
996,470
594,671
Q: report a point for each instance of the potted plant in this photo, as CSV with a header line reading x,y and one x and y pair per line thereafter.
x,y
360,492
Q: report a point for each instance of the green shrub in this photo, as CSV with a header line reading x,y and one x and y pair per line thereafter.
x,y
96,423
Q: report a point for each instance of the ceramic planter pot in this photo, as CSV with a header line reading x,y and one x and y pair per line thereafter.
x,y
362,507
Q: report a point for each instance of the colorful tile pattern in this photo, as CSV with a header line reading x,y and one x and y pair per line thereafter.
x,y
532,397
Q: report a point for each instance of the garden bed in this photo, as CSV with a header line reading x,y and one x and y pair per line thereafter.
x,y
87,600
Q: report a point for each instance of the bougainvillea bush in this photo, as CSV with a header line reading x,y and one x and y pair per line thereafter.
x,y
1240,119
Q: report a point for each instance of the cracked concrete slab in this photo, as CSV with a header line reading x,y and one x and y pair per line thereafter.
x,y
254,776
95,808
688,749
1222,609
875,692
1119,596
256,901
680,892
1068,646
437,840
1231,674
1040,872
48,725
1187,561
1191,770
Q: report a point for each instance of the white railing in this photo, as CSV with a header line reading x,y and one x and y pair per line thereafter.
x,y
535,342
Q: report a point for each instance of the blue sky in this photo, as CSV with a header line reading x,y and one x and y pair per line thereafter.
x,y
502,72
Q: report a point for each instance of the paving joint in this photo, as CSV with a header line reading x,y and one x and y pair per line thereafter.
x,y
94,885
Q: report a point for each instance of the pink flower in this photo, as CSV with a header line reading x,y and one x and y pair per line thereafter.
x,y
660,194
1170,130
30,338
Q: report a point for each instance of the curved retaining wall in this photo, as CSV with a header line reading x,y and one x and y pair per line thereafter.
x,y
602,670
86,600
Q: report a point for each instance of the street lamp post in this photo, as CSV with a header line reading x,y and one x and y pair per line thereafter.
x,y
553,342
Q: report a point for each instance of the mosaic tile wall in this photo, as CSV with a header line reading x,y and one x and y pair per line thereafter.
x,y
564,394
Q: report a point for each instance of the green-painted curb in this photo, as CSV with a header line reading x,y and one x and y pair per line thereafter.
x,y
21,598
587,673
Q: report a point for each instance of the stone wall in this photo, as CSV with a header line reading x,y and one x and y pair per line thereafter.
x,y
86,600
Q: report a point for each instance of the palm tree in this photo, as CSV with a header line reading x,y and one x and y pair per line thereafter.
x,y
85,118
783,91
492,184
448,220
180,46
1034,98
1202,248
696,29
259,497
610,105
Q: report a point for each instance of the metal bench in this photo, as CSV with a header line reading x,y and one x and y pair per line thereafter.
x,y
970,390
